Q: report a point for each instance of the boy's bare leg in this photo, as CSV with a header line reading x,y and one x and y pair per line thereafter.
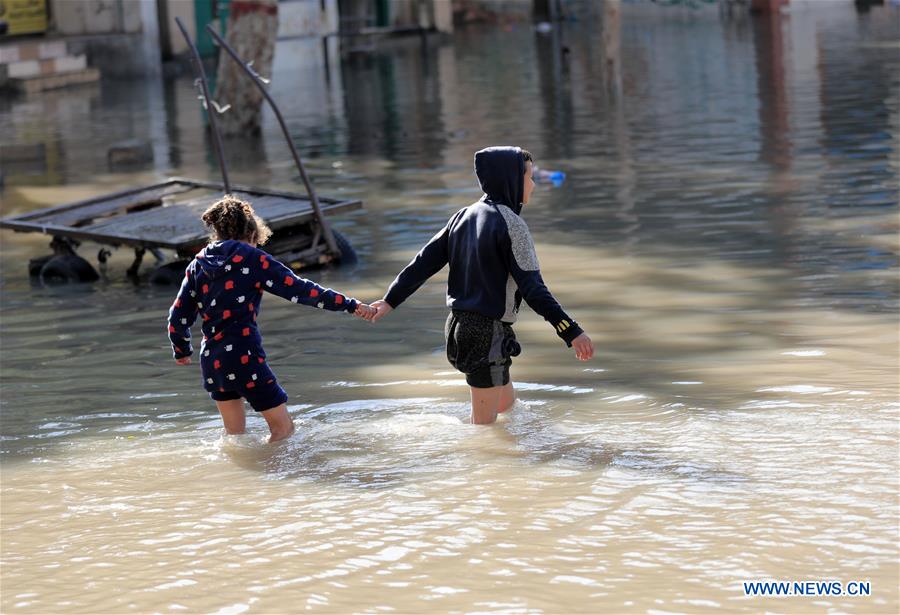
x,y
232,412
484,405
280,424
507,397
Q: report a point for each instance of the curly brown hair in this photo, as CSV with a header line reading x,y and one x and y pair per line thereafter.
x,y
232,218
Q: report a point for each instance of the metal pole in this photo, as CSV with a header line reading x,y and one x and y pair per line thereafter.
x,y
210,107
313,199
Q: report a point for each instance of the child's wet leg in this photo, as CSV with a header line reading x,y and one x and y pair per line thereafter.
x,y
507,397
484,404
280,424
232,412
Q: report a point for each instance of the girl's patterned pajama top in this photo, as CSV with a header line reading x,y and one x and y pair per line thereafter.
x,y
224,284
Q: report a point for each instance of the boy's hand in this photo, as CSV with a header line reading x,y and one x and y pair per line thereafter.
x,y
183,361
584,347
365,311
383,308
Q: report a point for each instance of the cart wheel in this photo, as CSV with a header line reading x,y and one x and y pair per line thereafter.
x,y
67,269
169,274
348,254
36,264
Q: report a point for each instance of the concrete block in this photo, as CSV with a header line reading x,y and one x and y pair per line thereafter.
x,y
22,70
70,63
28,51
9,54
54,49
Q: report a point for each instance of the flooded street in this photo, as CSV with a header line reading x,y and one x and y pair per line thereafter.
x,y
727,233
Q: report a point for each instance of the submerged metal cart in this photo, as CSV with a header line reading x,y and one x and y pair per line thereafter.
x,y
167,215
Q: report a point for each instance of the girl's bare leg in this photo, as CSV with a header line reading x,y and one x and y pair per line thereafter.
x,y
507,397
484,405
280,424
232,412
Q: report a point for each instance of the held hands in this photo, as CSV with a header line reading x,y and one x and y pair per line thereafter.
x,y
379,309
382,308
365,311
584,347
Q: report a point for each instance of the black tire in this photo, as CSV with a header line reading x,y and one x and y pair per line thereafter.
x,y
36,264
67,269
170,274
348,254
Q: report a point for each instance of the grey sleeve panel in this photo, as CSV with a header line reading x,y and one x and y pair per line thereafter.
x,y
510,313
522,243
521,260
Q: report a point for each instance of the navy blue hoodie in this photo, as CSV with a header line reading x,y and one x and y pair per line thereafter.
x,y
493,264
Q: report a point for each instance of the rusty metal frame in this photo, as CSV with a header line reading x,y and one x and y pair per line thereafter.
x,y
313,199
207,103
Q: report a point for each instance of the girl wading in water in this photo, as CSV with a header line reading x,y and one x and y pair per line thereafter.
x,y
224,285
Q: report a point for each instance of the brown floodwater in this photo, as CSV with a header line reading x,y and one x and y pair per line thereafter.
x,y
727,233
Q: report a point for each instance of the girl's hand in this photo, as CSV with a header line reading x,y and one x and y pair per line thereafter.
x,y
365,311
382,309
183,361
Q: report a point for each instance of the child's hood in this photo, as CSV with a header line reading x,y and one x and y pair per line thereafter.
x,y
213,258
501,173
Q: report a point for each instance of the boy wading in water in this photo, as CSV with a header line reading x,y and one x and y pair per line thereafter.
x,y
224,284
493,265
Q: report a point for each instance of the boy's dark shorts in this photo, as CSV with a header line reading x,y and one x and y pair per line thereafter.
x,y
264,397
480,347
